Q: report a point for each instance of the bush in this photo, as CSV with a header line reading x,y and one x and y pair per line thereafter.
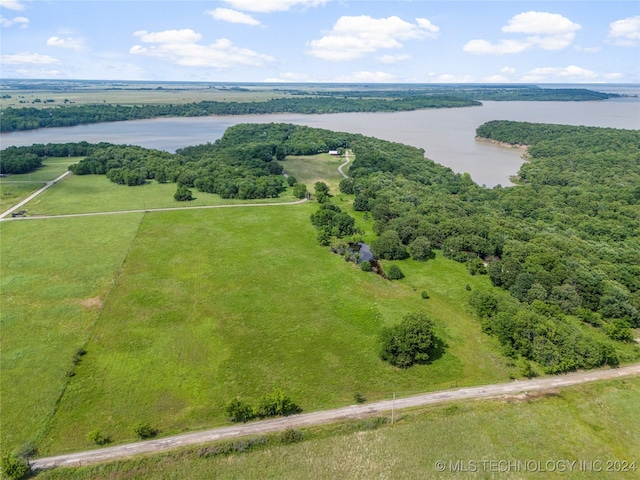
x,y
366,266
95,436
144,430
408,342
359,398
424,294
14,467
275,404
183,194
394,273
291,181
239,411
291,436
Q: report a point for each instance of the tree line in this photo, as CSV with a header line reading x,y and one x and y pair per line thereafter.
x,y
564,244
28,118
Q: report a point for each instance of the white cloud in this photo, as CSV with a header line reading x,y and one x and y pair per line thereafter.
x,y
541,23
69,42
580,48
289,77
184,36
394,58
496,79
572,72
232,16
625,32
366,77
548,31
12,4
508,70
180,47
449,78
482,47
9,22
266,6
354,37
28,58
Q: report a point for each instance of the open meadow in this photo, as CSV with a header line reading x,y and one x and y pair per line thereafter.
x,y
584,432
14,188
164,317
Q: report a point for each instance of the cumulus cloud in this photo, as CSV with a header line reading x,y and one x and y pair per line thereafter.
x,y
289,77
12,4
69,42
548,31
265,6
28,58
9,22
366,77
354,37
232,16
572,72
181,47
449,78
625,32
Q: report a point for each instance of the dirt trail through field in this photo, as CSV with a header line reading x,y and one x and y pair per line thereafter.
x,y
327,416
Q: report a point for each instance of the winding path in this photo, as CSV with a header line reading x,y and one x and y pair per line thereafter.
x,y
346,157
327,416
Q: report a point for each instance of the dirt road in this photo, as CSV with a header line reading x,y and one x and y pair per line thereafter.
x,y
346,158
33,195
327,416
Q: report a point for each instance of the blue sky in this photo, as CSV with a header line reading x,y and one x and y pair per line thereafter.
x,y
414,41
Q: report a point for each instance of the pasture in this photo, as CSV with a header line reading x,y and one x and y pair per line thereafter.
x,y
15,188
586,424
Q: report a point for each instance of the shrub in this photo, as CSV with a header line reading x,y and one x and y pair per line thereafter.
x,y
408,342
275,404
14,467
291,436
95,436
144,430
366,266
424,294
359,398
183,194
394,273
239,411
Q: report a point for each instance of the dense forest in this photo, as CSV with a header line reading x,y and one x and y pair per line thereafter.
x,y
564,244
29,118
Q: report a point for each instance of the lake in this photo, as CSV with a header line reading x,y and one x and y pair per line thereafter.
x,y
447,135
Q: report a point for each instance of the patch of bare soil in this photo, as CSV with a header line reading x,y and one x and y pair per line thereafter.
x,y
94,303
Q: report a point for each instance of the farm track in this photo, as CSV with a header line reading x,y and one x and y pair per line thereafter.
x,y
328,416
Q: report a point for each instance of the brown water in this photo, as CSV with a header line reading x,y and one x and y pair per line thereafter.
x,y
446,135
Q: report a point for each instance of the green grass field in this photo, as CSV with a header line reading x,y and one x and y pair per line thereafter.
x,y
181,311
15,188
216,304
96,193
590,424
55,277
316,168
133,96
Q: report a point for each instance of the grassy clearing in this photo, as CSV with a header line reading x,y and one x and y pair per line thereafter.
x,y
217,304
55,277
96,193
587,423
315,168
15,188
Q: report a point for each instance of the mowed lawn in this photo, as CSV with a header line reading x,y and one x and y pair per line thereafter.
x,y
55,277
310,169
217,304
583,432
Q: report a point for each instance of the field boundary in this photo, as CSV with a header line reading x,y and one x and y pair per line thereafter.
x,y
328,416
